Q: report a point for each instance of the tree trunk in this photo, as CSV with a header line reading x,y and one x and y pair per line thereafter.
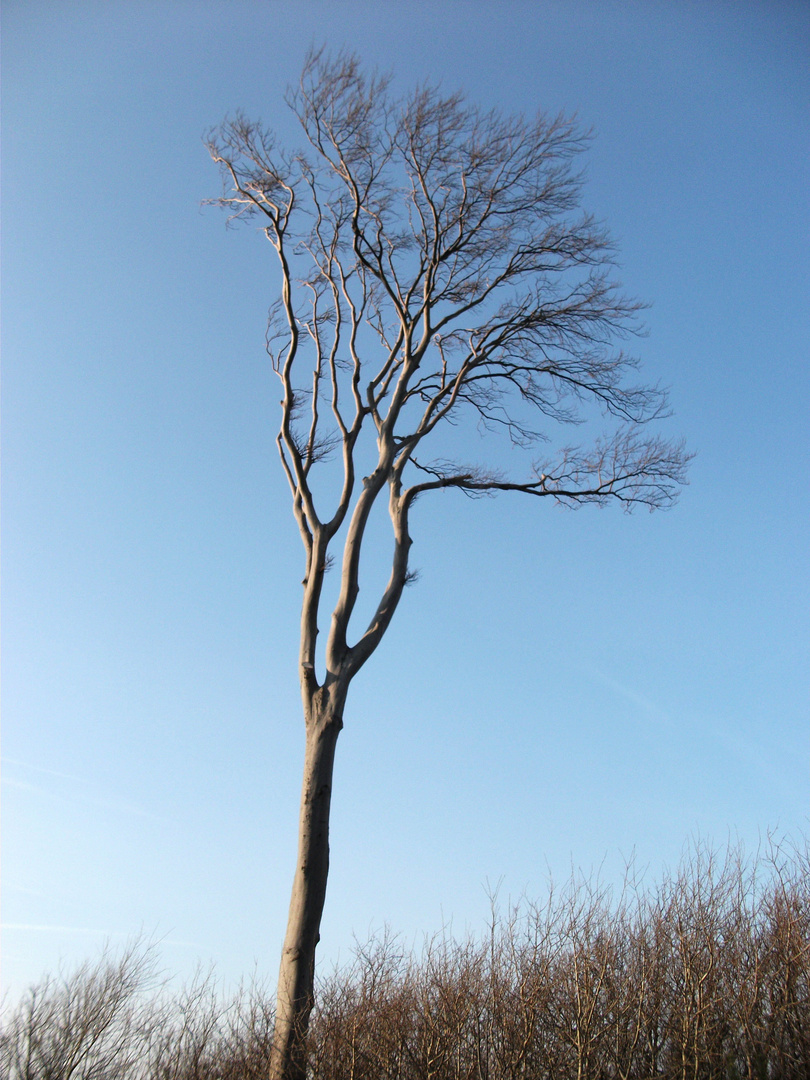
x,y
297,972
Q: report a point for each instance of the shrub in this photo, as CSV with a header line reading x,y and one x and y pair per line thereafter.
x,y
705,976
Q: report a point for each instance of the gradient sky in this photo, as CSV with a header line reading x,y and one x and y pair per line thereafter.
x,y
560,689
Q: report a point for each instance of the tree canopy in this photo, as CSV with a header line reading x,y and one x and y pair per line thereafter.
x,y
436,269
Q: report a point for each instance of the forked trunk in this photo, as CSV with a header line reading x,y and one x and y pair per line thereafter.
x,y
297,972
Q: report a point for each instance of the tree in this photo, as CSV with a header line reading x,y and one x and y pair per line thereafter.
x,y
435,270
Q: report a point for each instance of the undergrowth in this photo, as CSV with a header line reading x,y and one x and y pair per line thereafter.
x,y
704,975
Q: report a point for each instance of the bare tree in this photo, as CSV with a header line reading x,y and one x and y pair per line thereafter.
x,y
435,270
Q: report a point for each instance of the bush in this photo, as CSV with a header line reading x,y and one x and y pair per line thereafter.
x,y
705,976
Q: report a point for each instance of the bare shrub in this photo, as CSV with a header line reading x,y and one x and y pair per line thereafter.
x,y
705,976
93,1024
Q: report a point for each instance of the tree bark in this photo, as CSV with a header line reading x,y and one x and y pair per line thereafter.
x,y
297,971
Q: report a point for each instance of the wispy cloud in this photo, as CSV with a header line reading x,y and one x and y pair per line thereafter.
x,y
42,928
150,940
22,785
41,769
77,794
651,708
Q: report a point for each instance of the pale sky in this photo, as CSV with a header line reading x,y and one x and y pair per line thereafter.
x,y
559,689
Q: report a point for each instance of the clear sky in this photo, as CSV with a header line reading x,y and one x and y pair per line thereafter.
x,y
560,689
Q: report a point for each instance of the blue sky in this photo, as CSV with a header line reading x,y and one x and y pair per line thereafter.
x,y
559,689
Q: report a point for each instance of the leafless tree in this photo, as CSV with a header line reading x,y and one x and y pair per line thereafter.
x,y
435,270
